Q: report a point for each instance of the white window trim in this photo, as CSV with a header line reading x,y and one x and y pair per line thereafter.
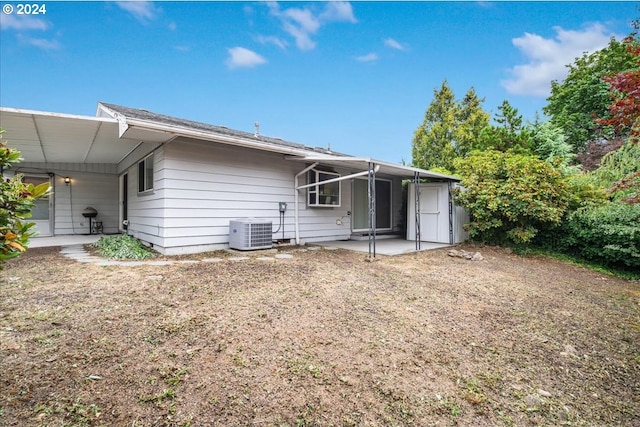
x,y
147,189
315,190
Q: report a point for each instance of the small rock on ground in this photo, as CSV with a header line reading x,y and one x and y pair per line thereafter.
x,y
471,256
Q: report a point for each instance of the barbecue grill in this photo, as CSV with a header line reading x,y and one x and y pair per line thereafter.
x,y
90,213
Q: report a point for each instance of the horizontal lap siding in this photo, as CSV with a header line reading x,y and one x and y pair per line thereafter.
x,y
206,185
92,184
146,210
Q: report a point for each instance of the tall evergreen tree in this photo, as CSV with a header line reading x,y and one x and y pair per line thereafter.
x,y
449,130
432,145
472,120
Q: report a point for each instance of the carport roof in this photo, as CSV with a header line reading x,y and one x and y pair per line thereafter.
x,y
46,137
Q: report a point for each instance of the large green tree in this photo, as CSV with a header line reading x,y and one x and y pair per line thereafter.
x,y
472,119
549,143
584,94
508,134
448,130
433,140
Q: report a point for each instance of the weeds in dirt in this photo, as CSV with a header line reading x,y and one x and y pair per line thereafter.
x,y
123,246
76,413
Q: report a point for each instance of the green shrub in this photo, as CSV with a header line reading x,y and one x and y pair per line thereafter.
x,y
511,197
608,233
16,203
123,246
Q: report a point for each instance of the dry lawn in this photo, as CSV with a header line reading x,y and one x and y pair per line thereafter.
x,y
322,339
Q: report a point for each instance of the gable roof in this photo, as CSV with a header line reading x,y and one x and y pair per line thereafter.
x,y
131,115
45,137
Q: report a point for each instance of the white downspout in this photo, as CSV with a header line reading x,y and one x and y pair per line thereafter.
x,y
295,200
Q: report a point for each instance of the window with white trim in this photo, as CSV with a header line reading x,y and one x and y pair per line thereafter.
x,y
145,174
323,195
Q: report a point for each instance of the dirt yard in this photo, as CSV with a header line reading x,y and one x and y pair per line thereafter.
x,y
322,339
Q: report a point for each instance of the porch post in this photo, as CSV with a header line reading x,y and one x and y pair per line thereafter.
x,y
416,199
450,213
371,193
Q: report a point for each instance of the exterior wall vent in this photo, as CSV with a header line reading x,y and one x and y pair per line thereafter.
x,y
250,234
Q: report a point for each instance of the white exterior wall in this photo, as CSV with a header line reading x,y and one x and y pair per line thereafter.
x,y
92,184
199,187
146,210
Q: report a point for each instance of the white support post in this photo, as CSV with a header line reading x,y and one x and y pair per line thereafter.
x,y
416,193
296,224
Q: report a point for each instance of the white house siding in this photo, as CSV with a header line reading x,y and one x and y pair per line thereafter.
x,y
146,210
92,184
201,186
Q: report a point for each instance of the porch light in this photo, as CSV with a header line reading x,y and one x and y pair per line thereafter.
x,y
67,180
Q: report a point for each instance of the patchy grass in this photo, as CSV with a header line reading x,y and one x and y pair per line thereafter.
x,y
321,339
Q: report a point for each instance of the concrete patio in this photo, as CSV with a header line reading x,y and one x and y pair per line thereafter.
x,y
384,246
79,239
394,246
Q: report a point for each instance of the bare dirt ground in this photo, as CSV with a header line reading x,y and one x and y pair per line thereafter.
x,y
322,339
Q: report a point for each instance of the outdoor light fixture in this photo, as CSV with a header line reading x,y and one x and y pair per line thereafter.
x,y
67,180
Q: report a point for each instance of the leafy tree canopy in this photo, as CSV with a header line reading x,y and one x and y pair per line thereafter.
x,y
584,94
624,110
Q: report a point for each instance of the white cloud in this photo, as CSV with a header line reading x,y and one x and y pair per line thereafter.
x,y
303,22
338,11
22,22
172,26
143,11
548,58
393,44
370,57
303,18
240,57
282,44
43,44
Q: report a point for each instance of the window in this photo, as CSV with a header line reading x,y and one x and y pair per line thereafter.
x,y
145,174
323,195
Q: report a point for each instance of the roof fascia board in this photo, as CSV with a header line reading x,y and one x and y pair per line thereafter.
x,y
408,169
210,136
59,115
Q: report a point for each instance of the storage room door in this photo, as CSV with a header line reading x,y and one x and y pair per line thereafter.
x,y
429,213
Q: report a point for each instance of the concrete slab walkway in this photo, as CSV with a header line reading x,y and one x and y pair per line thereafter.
x,y
389,247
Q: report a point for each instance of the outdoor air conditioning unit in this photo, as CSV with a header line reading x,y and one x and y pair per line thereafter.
x,y
250,233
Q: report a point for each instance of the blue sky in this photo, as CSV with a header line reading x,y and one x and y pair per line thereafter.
x,y
356,75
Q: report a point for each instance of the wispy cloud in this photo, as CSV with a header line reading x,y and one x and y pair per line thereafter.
x,y
282,44
240,57
302,23
22,23
143,11
393,44
547,58
43,44
172,26
370,57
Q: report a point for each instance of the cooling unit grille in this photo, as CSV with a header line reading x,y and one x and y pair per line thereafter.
x,y
248,234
